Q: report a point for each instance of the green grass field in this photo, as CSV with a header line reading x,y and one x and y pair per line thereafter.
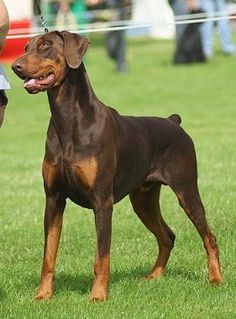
x,y
204,95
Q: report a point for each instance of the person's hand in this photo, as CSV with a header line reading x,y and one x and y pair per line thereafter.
x,y
93,2
192,4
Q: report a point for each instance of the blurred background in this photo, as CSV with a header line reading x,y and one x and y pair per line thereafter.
x,y
80,14
153,18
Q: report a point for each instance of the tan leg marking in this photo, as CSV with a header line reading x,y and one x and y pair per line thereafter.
x,y
49,173
100,285
215,276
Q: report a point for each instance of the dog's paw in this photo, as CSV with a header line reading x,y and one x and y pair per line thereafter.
x,y
43,295
98,294
215,281
155,273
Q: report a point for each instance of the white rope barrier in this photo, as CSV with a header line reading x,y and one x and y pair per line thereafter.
x,y
124,24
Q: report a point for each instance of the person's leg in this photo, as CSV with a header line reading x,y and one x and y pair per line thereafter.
x,y
179,8
121,58
224,29
207,27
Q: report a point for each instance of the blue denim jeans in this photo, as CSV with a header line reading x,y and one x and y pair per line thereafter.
x,y
179,8
207,29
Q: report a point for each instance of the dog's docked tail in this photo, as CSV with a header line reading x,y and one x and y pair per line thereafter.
x,y
175,118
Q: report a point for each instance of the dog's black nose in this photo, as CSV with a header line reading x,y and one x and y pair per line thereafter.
x,y
17,67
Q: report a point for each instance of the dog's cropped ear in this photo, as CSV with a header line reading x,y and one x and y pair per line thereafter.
x,y
75,47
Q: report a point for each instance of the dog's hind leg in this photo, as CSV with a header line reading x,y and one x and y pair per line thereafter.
x,y
190,201
146,206
182,178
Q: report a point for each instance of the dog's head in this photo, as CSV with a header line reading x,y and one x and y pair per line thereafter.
x,y
47,58
3,104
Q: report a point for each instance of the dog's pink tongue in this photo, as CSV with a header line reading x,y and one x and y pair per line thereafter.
x,y
29,83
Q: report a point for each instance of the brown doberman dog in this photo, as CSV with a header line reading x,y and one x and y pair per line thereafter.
x,y
95,157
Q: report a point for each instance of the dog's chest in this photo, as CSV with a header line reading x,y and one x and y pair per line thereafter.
x,y
74,179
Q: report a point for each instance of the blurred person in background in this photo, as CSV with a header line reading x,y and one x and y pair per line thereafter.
x,y
182,7
4,85
212,7
188,48
115,40
65,17
67,13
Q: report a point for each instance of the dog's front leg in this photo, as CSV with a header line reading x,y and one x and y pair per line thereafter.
x,y
52,228
103,220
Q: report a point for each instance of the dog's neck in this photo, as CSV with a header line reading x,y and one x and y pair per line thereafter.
x,y
73,94
73,102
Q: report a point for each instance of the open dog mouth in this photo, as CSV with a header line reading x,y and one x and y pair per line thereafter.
x,y
41,83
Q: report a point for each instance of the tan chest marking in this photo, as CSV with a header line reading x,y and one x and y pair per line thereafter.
x,y
87,171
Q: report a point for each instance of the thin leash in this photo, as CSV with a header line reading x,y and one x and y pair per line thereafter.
x,y
43,22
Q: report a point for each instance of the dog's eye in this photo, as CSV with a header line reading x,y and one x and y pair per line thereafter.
x,y
45,45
